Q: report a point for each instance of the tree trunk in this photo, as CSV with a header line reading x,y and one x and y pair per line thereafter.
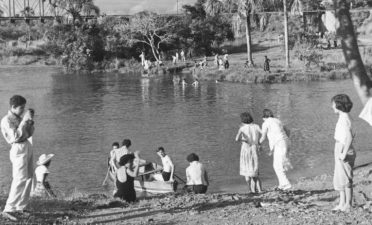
x,y
362,82
249,41
286,34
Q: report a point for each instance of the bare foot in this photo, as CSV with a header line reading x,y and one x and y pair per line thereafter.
x,y
9,216
337,208
346,208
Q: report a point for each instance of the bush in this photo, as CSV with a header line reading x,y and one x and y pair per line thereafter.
x,y
307,53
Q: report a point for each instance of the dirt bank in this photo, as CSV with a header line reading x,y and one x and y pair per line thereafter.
x,y
309,202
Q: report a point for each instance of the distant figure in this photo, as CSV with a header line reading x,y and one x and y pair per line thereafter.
x,y
183,58
216,63
249,134
226,61
344,152
203,63
279,142
147,65
195,83
174,59
43,188
221,64
111,167
196,174
177,57
168,166
183,82
125,175
196,64
142,57
267,64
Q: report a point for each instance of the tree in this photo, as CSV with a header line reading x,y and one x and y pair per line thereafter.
x,y
245,9
152,30
78,8
362,82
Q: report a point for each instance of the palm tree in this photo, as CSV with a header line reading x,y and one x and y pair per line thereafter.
x,y
245,8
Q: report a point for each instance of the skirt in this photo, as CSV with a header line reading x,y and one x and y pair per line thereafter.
x,y
248,160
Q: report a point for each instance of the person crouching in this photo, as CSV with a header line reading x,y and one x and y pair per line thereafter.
x,y
125,175
196,174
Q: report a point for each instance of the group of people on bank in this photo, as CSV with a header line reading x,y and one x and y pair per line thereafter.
x,y
17,127
123,167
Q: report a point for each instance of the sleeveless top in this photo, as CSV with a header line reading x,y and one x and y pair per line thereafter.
x,y
125,190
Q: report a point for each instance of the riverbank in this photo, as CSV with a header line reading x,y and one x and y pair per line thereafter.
x,y
309,202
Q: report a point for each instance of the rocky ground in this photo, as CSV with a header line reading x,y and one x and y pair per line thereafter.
x,y
310,202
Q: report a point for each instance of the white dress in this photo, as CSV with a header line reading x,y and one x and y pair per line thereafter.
x,y
248,152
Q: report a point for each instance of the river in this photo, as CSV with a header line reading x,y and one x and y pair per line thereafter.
x,y
78,117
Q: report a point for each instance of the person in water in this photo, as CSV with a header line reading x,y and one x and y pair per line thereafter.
x,y
125,175
168,166
43,188
344,152
249,134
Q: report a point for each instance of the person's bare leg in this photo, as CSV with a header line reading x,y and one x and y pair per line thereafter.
x,y
249,181
341,202
258,185
253,185
348,199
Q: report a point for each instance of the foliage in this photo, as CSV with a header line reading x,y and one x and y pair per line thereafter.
x,y
306,51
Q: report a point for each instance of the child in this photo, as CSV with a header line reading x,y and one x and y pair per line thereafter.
x,y
267,64
43,188
111,167
344,152
248,135
168,166
279,145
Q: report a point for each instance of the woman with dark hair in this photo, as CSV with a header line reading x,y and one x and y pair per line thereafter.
x,y
126,173
279,144
249,135
197,177
344,152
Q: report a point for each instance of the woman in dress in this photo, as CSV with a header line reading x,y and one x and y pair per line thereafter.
x,y
126,173
279,144
249,135
43,188
344,152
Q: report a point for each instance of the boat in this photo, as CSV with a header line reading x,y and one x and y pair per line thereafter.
x,y
145,181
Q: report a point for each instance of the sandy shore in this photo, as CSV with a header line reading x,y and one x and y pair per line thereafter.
x,y
309,202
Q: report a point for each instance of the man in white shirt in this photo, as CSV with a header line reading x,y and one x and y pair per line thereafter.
x,y
168,166
21,156
196,174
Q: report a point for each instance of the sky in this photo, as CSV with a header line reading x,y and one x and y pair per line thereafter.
x,y
124,7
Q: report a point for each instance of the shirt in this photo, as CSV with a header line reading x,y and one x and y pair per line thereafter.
x,y
275,131
12,128
118,153
366,113
167,163
196,174
250,133
39,173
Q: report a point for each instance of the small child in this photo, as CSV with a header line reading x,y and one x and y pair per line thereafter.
x,y
249,134
43,188
111,167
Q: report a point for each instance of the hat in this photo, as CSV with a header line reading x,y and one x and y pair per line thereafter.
x,y
125,159
44,158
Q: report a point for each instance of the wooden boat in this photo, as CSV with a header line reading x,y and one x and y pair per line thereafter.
x,y
145,181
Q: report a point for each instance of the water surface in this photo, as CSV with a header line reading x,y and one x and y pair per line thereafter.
x,y
80,116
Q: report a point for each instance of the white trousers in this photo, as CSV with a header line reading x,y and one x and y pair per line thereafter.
x,y
280,161
21,157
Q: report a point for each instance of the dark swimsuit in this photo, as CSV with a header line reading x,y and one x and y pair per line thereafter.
x,y
126,190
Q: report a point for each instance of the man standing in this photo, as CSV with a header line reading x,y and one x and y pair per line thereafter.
x,y
21,156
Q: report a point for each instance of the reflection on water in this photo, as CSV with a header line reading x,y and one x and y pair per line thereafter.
x,y
79,116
